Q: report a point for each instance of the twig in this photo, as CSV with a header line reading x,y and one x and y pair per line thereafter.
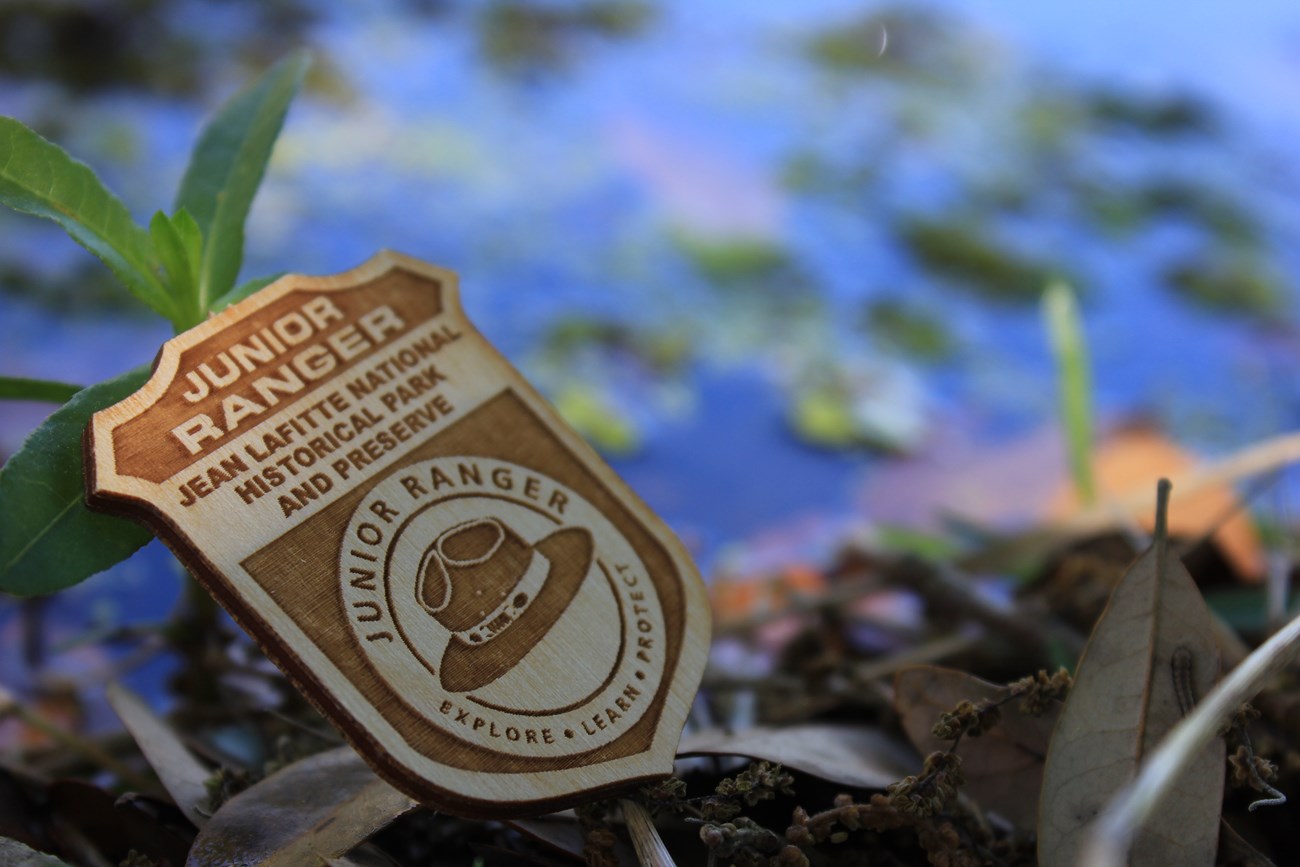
x,y
929,652
1276,798
767,683
957,591
801,603
1279,566
649,846
1112,834
1279,587
88,750
1237,507
329,736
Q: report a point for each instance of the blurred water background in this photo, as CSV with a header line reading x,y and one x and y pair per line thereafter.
x,y
755,251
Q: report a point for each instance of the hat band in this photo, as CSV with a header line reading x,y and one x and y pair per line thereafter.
x,y
522,596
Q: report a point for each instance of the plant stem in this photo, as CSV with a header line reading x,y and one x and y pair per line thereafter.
x,y
649,846
91,752
957,591
203,608
194,635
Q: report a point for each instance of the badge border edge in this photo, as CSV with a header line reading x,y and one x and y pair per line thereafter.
x,y
654,762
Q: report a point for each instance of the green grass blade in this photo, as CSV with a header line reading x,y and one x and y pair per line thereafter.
x,y
38,177
49,539
1070,351
44,390
227,167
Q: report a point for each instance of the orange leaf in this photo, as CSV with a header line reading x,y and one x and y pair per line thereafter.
x,y
1132,460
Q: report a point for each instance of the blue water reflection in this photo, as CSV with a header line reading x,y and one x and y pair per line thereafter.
x,y
731,199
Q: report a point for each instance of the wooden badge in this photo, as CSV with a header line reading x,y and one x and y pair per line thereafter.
x,y
452,575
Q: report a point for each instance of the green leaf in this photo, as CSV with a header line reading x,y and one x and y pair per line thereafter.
x,y
40,178
192,239
172,252
604,425
49,539
823,416
46,390
1061,312
243,290
227,167
897,539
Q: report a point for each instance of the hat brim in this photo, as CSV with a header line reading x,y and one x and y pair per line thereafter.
x,y
467,667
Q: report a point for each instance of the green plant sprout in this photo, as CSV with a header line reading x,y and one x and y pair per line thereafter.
x,y
1074,384
184,266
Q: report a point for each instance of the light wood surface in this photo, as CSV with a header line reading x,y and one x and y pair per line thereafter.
x,y
453,576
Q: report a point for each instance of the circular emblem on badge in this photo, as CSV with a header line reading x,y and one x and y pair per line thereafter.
x,y
482,608
524,617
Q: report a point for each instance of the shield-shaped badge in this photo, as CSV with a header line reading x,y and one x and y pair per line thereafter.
x,y
457,580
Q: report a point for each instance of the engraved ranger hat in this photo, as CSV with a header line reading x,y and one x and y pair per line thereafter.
x,y
497,594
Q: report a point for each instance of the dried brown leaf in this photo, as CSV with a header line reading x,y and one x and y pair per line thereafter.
x,y
182,774
563,833
849,755
313,810
1150,656
16,854
1235,851
365,855
22,804
1004,766
1127,465
90,822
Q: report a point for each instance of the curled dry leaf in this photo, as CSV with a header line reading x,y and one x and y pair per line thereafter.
x,y
1004,766
182,775
1151,656
313,810
849,755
